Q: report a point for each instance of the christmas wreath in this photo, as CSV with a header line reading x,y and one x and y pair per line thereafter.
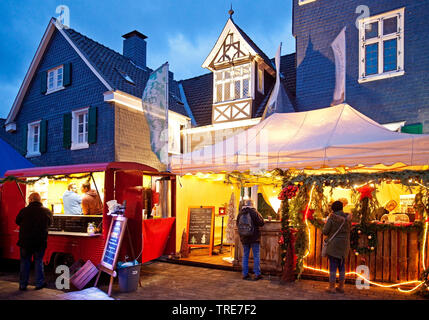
x,y
355,235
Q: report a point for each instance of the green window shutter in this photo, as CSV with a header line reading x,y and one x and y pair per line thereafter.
x,y
67,74
24,139
67,130
43,136
416,128
92,125
44,82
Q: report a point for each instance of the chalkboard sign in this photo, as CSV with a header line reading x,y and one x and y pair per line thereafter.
x,y
200,229
113,242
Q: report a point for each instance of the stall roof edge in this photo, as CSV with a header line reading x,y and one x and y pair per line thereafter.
x,y
78,168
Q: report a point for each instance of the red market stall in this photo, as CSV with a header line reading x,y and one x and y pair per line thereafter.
x,y
69,236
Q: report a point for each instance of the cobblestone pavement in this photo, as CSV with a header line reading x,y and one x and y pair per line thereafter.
x,y
167,281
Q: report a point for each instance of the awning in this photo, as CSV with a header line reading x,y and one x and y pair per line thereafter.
x,y
325,138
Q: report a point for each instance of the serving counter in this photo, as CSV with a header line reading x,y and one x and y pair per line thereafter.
x,y
270,260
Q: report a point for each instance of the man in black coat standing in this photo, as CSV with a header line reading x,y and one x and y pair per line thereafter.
x,y
250,241
33,221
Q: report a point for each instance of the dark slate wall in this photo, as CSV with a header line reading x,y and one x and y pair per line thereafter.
x,y
318,23
85,90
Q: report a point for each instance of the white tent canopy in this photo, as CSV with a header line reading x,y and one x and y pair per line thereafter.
x,y
329,137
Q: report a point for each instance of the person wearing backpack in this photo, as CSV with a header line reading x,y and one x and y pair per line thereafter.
x,y
248,222
337,229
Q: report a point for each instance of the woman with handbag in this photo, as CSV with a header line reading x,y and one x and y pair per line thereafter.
x,y
337,245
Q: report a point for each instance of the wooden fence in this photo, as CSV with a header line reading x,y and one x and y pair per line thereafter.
x,y
397,257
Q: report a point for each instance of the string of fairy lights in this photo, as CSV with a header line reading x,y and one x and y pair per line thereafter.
x,y
418,283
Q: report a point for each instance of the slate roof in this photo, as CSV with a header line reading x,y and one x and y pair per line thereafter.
x,y
199,94
110,64
199,91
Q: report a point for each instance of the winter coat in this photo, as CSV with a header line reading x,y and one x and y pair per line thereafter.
x,y
258,221
72,202
339,246
91,203
34,221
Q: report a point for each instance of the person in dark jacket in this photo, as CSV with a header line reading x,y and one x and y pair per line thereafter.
x,y
251,242
339,246
33,221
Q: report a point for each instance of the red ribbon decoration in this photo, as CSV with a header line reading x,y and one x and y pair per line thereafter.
x,y
365,192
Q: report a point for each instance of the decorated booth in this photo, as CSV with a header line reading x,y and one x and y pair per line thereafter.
x,y
309,159
146,195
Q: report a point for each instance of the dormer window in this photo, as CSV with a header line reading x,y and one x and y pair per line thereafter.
x,y
232,83
55,79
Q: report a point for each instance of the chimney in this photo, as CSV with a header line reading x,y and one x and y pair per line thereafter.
x,y
135,47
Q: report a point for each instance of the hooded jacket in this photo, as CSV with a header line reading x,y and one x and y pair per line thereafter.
x,y
339,246
72,202
91,203
33,221
258,221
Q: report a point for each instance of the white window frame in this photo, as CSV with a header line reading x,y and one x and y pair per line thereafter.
x,y
231,82
75,145
54,73
302,2
30,139
260,76
399,13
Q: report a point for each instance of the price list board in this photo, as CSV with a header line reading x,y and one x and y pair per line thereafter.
x,y
113,242
200,228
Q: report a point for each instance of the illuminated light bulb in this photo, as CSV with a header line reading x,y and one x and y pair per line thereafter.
x,y
356,253
372,248
359,232
369,237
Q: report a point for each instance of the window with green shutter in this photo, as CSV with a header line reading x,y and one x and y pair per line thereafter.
x,y
67,130
44,82
24,139
92,125
67,74
43,136
416,128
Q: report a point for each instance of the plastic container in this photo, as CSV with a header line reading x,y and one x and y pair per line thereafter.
x,y
129,277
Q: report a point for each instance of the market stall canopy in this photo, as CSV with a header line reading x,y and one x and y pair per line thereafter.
x,y
11,159
325,138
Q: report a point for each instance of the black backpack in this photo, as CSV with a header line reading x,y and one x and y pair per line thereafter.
x,y
245,224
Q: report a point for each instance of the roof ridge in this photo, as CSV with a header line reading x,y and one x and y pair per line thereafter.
x,y
202,75
98,43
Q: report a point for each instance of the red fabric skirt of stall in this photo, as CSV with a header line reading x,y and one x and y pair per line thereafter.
x,y
155,236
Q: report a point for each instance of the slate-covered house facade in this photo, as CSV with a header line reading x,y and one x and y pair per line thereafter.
x,y
80,102
386,58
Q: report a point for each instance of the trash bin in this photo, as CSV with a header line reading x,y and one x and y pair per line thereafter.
x,y
129,277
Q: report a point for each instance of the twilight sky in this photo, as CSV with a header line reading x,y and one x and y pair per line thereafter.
x,y
181,32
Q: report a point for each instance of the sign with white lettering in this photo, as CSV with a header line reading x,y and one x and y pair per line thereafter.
x,y
200,229
113,242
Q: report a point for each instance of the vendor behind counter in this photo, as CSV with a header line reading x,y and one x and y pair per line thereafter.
x,y
88,204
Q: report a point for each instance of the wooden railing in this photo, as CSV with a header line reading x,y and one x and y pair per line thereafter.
x,y
397,257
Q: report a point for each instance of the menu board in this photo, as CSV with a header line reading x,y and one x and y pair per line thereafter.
x,y
200,227
113,242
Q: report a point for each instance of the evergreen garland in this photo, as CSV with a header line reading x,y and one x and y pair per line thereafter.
x,y
31,180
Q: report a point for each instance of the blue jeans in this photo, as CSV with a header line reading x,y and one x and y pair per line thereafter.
x,y
24,273
246,253
334,264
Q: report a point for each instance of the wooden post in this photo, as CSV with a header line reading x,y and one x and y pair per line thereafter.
x,y
394,256
386,255
403,256
379,257
413,253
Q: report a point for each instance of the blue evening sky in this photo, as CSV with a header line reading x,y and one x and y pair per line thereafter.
x,y
181,32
